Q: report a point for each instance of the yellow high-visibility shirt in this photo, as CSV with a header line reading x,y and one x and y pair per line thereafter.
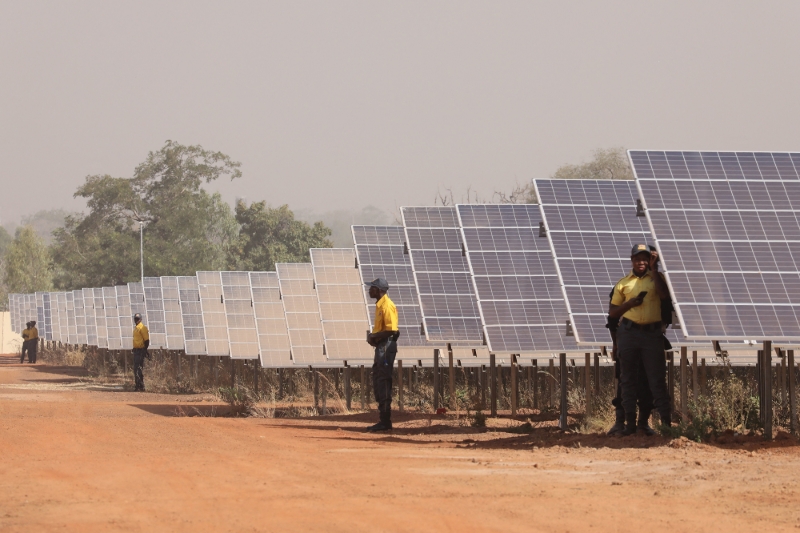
x,y
26,334
385,315
33,333
629,288
140,334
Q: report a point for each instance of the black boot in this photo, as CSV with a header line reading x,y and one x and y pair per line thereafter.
x,y
384,425
619,425
666,419
643,425
630,425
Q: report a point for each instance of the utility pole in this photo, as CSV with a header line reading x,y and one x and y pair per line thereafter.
x,y
141,249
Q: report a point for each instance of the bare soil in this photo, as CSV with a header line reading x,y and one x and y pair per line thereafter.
x,y
79,456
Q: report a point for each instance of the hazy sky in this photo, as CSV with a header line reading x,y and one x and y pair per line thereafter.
x,y
336,105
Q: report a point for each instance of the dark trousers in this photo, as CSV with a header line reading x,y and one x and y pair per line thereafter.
x,y
642,350
382,375
29,347
138,367
644,398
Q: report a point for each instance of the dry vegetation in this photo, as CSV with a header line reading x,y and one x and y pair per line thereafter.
x,y
728,404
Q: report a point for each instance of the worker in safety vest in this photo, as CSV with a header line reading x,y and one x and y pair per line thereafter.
x,y
141,342
30,342
636,301
384,338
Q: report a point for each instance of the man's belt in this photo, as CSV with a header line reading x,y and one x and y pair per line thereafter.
x,y
644,327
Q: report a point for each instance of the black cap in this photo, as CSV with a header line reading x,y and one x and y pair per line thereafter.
x,y
380,283
33,322
137,315
640,248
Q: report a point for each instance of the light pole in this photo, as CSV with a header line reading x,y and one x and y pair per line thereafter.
x,y
141,249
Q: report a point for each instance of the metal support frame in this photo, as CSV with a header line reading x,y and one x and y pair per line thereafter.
x,y
562,420
493,385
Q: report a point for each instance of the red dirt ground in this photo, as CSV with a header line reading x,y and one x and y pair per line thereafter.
x,y
81,457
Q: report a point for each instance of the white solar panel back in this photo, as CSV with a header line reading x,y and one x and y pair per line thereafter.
x,y
154,304
273,336
89,315
47,329
301,307
112,318
214,318
125,317
63,318
80,315
136,295
100,318
194,335
341,303
242,334
172,312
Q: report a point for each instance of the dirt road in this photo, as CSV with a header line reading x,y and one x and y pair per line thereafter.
x,y
77,457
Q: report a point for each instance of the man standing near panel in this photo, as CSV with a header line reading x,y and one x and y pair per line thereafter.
x,y
384,338
637,301
30,342
141,342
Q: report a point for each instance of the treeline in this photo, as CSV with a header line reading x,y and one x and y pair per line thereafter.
x,y
185,228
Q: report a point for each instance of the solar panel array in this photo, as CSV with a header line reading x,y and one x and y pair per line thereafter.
x,y
380,251
194,335
301,308
727,227
484,278
341,304
173,318
154,303
592,226
215,320
442,276
515,279
273,336
242,333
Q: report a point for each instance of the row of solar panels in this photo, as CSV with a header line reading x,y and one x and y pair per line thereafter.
x,y
535,279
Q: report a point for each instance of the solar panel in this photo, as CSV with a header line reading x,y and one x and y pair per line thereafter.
x,y
242,333
72,326
592,225
214,316
80,315
89,314
728,231
55,323
341,304
515,279
113,331
380,253
136,295
194,336
40,323
154,304
273,336
301,308
125,316
100,318
442,276
173,318
63,318
47,321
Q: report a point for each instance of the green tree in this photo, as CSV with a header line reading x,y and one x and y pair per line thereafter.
x,y
185,228
45,222
27,263
272,235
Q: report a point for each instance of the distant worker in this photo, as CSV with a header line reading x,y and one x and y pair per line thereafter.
x,y
30,342
141,342
384,338
636,301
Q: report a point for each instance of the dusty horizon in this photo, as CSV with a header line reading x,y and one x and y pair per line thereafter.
x,y
340,106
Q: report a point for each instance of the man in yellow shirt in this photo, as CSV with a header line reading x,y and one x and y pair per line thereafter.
x,y
30,342
141,342
636,300
384,338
